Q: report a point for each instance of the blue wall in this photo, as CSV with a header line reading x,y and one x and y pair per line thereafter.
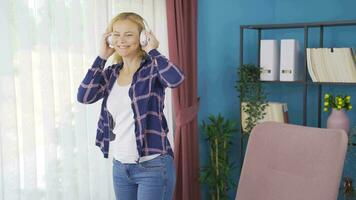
x,y
218,51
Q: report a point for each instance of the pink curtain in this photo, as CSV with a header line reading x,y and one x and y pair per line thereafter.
x,y
182,38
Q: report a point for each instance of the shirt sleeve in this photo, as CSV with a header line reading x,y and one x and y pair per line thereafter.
x,y
168,74
93,86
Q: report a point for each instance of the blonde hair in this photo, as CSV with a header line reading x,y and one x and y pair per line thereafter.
x,y
133,17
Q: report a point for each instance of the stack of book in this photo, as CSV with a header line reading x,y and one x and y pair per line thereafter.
x,y
275,111
331,64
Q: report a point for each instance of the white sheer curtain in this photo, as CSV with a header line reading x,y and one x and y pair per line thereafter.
x,y
47,139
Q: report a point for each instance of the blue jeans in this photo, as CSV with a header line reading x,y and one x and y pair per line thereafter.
x,y
150,180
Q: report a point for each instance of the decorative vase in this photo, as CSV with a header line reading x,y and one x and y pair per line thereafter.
x,y
338,120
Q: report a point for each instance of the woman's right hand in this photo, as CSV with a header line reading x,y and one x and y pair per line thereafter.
x,y
105,50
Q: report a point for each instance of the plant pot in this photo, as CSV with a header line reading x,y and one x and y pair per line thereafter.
x,y
338,120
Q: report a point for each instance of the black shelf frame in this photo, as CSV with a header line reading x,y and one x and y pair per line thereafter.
x,y
300,25
306,26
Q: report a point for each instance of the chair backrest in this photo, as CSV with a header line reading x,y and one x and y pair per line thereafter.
x,y
291,162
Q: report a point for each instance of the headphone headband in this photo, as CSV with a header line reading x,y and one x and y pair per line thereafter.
x,y
146,27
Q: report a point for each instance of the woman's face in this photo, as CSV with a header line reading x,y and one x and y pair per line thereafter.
x,y
126,38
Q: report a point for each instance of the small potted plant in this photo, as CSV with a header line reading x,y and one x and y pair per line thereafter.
x,y
337,104
218,131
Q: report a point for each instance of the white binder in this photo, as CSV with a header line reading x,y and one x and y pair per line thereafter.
x,y
269,60
291,68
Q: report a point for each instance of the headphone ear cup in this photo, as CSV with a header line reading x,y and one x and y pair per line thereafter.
x,y
143,38
109,41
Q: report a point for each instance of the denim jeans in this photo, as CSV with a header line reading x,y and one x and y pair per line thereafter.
x,y
150,180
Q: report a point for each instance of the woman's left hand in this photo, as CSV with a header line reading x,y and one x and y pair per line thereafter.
x,y
152,42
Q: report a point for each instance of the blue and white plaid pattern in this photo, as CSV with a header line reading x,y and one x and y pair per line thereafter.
x,y
147,93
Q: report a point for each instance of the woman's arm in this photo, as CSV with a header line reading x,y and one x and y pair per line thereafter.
x,y
95,81
93,86
168,74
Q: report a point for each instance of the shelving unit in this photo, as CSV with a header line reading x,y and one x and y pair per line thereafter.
x,y
321,25
305,82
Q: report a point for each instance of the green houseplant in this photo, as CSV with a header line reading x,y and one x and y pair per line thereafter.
x,y
217,174
252,93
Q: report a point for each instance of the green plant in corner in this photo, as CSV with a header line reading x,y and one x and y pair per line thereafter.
x,y
252,93
217,174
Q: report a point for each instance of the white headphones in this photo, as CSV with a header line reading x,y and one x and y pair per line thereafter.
x,y
143,37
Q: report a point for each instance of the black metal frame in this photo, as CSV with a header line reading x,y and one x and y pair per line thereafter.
x,y
305,82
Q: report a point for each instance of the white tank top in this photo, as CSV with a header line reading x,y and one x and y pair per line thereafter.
x,y
124,147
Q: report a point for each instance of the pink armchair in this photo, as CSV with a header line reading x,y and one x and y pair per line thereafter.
x,y
291,162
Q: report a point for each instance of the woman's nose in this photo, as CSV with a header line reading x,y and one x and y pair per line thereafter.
x,y
121,40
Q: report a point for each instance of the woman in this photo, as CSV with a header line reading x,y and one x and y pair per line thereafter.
x,y
132,122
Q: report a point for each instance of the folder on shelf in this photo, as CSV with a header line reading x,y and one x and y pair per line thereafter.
x,y
275,111
331,65
311,69
291,68
269,60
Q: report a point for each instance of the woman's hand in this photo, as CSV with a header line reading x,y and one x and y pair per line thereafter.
x,y
152,42
105,50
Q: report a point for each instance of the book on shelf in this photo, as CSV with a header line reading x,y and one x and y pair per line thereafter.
x,y
291,68
269,60
275,111
331,64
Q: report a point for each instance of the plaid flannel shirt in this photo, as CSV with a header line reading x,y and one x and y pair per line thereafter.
x,y
147,93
